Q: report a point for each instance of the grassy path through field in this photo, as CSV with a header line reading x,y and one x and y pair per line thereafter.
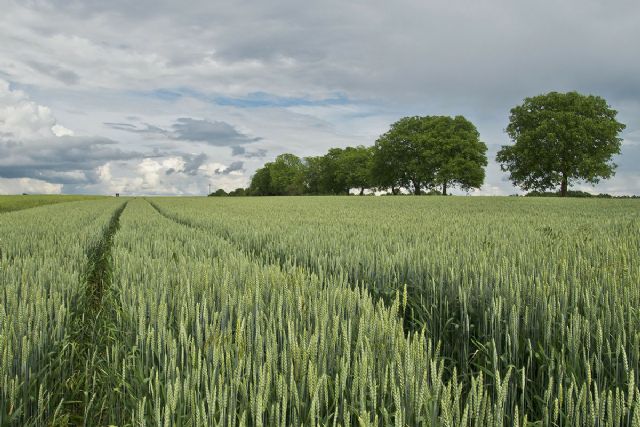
x,y
44,266
88,384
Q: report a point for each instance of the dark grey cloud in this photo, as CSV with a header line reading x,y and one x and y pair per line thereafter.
x,y
60,160
53,176
256,154
193,163
233,167
64,75
145,128
214,133
217,133
238,150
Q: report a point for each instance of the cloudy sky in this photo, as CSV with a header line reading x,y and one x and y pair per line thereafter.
x,y
167,97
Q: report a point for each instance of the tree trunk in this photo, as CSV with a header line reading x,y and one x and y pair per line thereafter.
x,y
563,185
444,188
362,191
416,188
394,191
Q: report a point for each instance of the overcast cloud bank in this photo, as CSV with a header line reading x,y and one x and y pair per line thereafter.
x,y
160,98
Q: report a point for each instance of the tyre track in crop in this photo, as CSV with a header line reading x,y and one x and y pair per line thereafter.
x,y
263,255
88,384
410,322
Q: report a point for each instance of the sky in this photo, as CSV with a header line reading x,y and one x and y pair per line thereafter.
x,y
168,97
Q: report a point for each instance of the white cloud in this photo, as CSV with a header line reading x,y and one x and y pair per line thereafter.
x,y
150,171
175,163
29,186
59,130
21,118
104,172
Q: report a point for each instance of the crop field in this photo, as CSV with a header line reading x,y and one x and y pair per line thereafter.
x,y
14,203
340,311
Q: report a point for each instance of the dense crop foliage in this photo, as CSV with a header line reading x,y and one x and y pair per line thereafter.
x,y
322,311
548,289
13,203
221,338
44,257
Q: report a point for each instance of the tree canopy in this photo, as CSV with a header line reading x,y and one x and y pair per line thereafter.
x,y
287,175
282,177
261,182
354,168
417,153
324,175
428,152
560,138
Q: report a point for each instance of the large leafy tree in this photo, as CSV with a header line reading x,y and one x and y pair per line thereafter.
x,y
425,152
354,168
333,180
261,182
385,167
323,175
282,177
314,174
560,138
454,149
287,175
399,157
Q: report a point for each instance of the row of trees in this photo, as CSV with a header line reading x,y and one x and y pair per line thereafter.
x,y
420,154
559,138
337,172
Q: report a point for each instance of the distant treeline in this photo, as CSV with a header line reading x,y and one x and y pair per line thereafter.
x,y
571,193
419,154
575,193
559,139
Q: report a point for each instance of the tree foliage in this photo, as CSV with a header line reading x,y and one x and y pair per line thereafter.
x,y
261,182
218,193
417,153
323,175
425,152
282,177
287,175
560,138
354,168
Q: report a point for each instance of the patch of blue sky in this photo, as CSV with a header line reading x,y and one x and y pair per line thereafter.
x,y
263,99
251,100
168,95
164,94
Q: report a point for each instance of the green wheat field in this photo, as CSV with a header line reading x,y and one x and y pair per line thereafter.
x,y
337,311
